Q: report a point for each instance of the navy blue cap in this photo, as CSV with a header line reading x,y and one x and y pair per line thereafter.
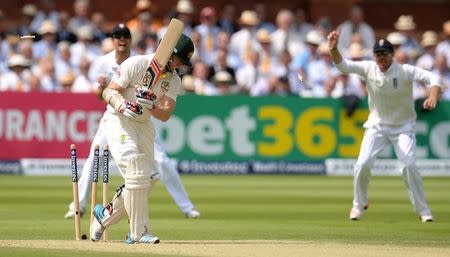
x,y
121,30
383,45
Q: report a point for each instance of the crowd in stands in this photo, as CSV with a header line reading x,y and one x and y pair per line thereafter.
x,y
234,52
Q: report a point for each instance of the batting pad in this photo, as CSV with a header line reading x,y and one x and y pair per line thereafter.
x,y
137,186
116,209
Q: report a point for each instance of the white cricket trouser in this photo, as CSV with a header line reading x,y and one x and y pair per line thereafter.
x,y
171,179
169,175
404,142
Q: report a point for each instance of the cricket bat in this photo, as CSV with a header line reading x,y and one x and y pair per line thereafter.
x,y
162,54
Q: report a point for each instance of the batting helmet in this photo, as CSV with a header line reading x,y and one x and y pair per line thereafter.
x,y
184,49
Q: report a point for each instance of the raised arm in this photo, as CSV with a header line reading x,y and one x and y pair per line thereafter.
x,y
333,40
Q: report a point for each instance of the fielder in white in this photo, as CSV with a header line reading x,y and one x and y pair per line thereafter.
x,y
103,70
130,136
391,120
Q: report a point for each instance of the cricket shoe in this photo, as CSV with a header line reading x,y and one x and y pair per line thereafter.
x,y
426,218
146,238
96,230
355,214
193,214
71,213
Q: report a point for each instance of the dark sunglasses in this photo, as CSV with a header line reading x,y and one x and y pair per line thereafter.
x,y
382,53
121,36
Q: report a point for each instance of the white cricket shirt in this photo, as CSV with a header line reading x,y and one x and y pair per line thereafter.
x,y
390,93
129,76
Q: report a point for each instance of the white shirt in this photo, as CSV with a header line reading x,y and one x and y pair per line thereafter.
x,y
103,66
130,74
390,93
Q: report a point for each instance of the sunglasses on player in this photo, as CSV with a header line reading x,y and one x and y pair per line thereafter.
x,y
121,36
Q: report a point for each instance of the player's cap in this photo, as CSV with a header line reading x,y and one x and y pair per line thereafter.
x,y
121,30
383,45
184,49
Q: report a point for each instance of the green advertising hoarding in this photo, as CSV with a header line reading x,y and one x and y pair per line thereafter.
x,y
291,129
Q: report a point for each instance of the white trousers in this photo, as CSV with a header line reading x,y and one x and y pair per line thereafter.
x,y
403,140
165,166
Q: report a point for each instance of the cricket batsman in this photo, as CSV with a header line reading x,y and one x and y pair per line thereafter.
x,y
391,120
131,137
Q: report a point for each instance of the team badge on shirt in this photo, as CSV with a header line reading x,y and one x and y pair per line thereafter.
x,y
165,86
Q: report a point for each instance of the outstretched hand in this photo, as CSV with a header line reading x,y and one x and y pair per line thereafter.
x,y
333,39
429,103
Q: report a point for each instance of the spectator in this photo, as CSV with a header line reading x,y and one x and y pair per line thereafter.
x,y
107,45
268,59
227,18
11,43
280,86
285,37
397,39
406,25
355,25
200,75
66,82
243,42
17,77
224,83
142,7
321,72
248,75
208,31
64,33
261,14
84,47
223,41
443,71
29,11
301,61
82,84
99,27
142,27
47,45
443,48
26,50
81,9
47,75
220,64
47,12
166,20
185,10
429,41
63,63
301,26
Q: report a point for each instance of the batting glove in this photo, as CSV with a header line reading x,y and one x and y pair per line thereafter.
x,y
146,98
131,109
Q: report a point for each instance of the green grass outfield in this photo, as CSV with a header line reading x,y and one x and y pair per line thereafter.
x,y
238,207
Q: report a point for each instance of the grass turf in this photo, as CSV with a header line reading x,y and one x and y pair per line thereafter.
x,y
242,207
